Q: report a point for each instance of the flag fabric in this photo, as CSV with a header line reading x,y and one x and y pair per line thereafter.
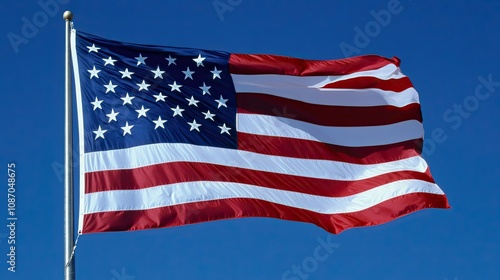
x,y
174,136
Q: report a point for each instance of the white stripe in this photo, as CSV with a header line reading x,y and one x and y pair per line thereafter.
x,y
175,194
343,136
167,152
302,89
387,72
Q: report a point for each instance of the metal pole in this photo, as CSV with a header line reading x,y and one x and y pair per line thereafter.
x,y
69,268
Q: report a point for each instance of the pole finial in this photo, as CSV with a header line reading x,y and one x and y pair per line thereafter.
x,y
68,15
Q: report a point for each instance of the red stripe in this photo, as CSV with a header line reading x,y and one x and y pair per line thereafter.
x,y
298,148
191,213
282,65
341,116
396,85
178,172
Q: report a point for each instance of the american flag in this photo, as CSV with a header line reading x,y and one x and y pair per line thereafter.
x,y
174,136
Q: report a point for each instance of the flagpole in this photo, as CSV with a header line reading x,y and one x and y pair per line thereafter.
x,y
69,260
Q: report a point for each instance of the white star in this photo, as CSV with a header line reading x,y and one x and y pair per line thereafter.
x,y
216,72
194,126
112,115
126,73
177,111
158,73
143,85
205,89
160,97
199,60
110,87
127,129
141,59
224,129
142,112
97,103
175,86
171,60
94,72
208,115
99,133
221,102
159,122
93,48
127,99
192,101
188,73
109,61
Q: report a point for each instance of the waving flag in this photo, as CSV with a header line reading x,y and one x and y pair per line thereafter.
x,y
174,136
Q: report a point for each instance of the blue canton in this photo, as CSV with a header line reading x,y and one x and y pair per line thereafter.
x,y
140,94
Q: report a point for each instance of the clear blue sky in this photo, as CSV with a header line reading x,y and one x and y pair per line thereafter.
x,y
448,48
